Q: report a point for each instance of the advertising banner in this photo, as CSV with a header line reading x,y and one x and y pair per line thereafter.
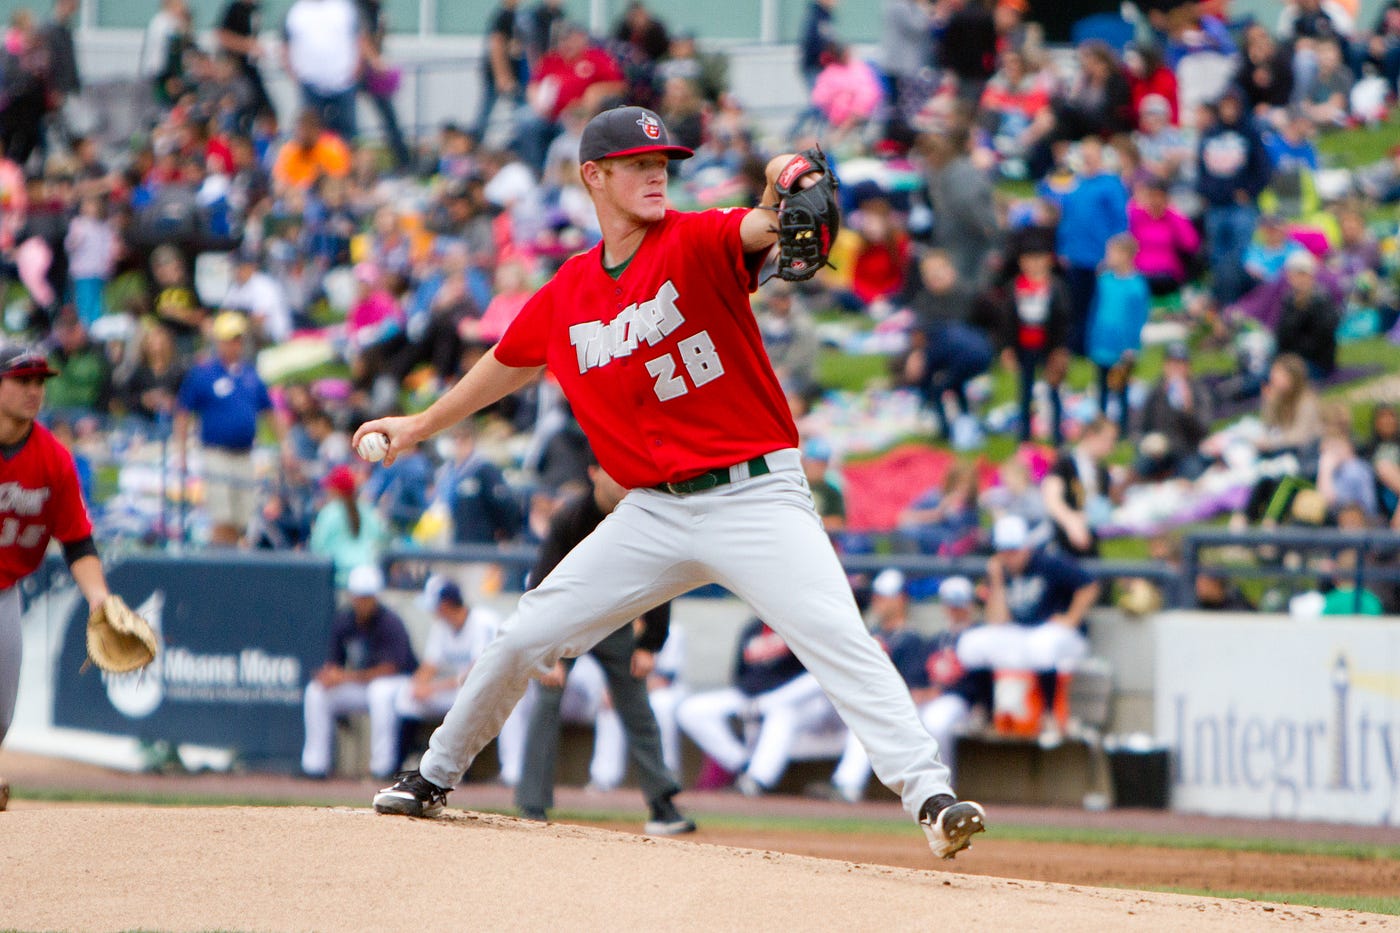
x,y
1280,718
240,637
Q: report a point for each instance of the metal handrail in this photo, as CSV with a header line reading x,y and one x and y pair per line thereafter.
x,y
1175,580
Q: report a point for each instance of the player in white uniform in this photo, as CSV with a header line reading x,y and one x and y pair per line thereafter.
x,y
651,338
457,637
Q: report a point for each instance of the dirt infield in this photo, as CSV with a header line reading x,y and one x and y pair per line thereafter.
x,y
317,865
303,868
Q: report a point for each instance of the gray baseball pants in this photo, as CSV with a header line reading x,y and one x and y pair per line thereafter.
x,y
761,539
11,647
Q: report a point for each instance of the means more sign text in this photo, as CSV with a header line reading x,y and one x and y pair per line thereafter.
x,y
1278,718
240,635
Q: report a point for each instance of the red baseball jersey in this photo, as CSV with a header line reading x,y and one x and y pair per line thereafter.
x,y
664,366
39,499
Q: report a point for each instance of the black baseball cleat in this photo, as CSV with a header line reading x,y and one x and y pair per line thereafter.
x,y
666,820
411,795
950,823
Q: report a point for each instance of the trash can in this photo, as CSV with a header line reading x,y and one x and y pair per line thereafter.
x,y
1141,771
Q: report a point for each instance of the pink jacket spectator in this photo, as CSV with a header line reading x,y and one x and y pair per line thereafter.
x,y
847,91
1162,241
373,318
14,202
499,313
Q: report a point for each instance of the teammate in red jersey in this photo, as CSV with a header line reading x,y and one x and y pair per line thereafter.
x,y
652,339
39,500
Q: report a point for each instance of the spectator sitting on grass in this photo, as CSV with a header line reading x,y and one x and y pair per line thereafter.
x,y
1176,418
1308,322
1167,240
944,517
1269,250
1383,452
1292,424
1078,488
1344,478
1327,96
789,335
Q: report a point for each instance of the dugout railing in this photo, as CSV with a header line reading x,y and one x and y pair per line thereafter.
x,y
1286,556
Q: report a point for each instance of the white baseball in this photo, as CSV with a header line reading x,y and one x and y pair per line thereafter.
x,y
373,447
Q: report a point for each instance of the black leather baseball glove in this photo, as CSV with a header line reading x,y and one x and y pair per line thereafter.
x,y
808,218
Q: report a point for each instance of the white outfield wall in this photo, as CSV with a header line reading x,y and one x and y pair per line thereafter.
x,y
1279,718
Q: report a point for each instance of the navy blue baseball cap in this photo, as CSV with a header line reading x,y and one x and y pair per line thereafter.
x,y
451,594
626,131
18,360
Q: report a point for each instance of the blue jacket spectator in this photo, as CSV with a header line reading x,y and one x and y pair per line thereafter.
x,y
484,509
401,491
1121,306
1122,302
1232,159
1232,170
1093,209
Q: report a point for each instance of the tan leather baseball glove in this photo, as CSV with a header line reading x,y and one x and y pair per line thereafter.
x,y
119,640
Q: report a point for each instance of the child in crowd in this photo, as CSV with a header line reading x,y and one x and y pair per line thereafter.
x,y
1121,306
1035,323
92,249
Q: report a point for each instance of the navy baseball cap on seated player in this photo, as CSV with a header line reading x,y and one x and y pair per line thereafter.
x,y
17,360
626,131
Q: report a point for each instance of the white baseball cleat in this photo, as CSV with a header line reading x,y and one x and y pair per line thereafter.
x,y
950,824
411,795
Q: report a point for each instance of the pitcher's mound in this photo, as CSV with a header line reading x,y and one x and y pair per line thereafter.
x,y
243,868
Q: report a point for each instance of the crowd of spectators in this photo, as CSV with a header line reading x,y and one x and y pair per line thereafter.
x,y
1173,179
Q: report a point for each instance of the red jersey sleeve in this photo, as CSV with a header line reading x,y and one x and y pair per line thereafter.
x,y
721,247
526,341
69,520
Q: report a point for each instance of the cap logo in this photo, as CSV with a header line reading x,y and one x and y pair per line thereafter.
x,y
650,125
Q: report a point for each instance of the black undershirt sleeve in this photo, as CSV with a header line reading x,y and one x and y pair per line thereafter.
x,y
83,547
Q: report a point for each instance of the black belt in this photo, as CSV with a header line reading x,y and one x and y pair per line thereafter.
x,y
719,476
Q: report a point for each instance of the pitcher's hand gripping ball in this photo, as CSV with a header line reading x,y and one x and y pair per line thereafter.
x,y
373,447
119,640
808,218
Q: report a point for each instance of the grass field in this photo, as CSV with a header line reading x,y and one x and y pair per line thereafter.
x,y
1374,905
